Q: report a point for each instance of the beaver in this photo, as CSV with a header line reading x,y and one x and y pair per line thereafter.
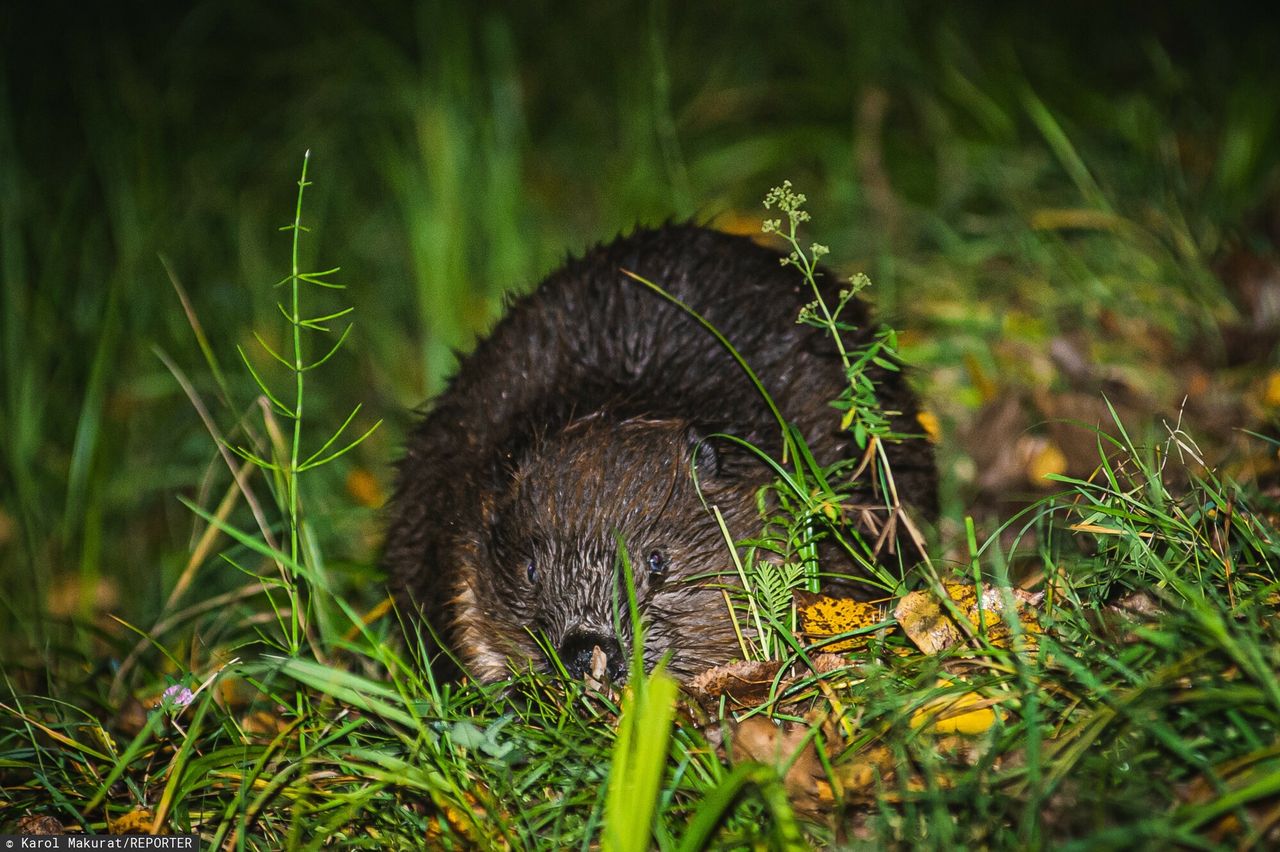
x,y
589,421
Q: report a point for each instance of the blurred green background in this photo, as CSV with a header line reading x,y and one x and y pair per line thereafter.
x,y
1052,200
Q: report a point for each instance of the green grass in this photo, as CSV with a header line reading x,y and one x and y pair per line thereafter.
x,y
1112,732
1032,177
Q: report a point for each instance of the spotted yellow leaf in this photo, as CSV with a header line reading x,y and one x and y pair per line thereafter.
x,y
822,616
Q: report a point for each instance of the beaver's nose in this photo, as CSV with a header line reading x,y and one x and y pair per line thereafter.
x,y
579,646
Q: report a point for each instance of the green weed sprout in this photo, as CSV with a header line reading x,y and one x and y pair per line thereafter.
x,y
869,424
863,414
811,505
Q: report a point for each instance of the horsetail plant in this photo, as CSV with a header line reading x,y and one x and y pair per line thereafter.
x,y
289,460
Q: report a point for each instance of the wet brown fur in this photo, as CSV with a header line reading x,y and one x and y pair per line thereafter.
x,y
583,419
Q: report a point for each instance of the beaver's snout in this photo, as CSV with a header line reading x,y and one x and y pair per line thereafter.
x,y
580,645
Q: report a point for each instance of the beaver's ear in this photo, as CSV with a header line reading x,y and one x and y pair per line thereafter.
x,y
706,457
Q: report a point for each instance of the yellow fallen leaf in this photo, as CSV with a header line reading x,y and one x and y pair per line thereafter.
x,y
832,509
862,774
822,616
739,223
922,618
962,713
847,419
363,488
1271,395
134,822
466,819
1045,459
928,622
929,423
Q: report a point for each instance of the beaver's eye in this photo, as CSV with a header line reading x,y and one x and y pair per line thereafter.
x,y
531,571
657,563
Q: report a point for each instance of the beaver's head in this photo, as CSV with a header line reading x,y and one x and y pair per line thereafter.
x,y
548,580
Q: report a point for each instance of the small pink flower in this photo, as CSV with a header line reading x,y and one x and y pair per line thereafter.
x,y
177,696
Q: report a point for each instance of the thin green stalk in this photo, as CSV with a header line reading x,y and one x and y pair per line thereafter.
x,y
296,325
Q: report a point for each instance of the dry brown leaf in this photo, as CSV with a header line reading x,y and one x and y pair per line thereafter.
x,y
234,693
261,723
71,595
40,824
744,683
747,683
1230,777
1074,421
131,718
1118,618
928,623
822,616
787,745
991,442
